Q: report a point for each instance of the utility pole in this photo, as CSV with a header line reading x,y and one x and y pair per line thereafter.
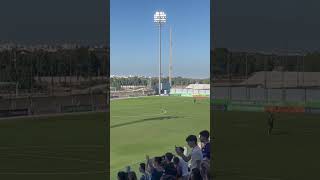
x,y
170,63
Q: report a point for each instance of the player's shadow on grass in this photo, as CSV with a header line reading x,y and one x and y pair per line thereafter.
x,y
144,120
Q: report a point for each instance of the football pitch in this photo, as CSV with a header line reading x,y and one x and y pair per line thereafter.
x,y
74,146
153,126
60,147
244,151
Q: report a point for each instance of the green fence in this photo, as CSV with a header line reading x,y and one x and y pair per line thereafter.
x,y
259,106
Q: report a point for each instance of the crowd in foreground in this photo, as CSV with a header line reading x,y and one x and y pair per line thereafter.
x,y
193,165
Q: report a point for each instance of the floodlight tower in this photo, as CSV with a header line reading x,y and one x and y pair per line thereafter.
x,y
170,63
160,18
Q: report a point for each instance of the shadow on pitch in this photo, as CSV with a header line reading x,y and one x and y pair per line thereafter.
x,y
144,120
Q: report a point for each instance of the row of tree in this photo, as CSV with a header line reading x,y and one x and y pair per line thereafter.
x,y
24,66
117,82
229,63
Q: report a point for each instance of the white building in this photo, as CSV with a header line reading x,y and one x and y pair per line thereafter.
x,y
192,90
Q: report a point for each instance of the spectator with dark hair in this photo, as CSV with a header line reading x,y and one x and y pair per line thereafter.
x,y
132,176
204,137
195,157
155,168
168,157
122,175
142,169
195,174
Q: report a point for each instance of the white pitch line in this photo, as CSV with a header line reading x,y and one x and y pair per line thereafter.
x,y
143,115
31,117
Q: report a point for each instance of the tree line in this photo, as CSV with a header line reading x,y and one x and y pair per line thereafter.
x,y
228,63
23,66
117,82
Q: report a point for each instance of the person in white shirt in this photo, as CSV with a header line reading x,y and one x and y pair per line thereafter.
x,y
195,157
183,165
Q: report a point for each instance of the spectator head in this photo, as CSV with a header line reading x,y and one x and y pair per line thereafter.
x,y
176,160
204,136
132,175
142,167
192,141
168,157
122,175
157,161
181,149
195,174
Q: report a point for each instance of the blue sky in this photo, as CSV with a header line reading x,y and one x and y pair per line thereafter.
x,y
134,37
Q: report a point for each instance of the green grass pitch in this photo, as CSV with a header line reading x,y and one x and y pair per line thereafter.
x,y
63,147
73,146
153,126
244,151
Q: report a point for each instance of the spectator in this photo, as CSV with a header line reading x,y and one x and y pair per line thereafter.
x,y
176,162
155,168
168,157
204,139
132,176
205,170
169,169
195,156
195,174
183,164
142,169
122,175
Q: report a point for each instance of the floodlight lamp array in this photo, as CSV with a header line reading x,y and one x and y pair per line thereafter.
x,y
160,17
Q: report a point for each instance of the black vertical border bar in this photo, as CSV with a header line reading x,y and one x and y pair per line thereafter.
x,y
212,37
106,65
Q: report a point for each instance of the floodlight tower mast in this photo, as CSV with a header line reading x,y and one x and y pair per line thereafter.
x,y
160,18
170,63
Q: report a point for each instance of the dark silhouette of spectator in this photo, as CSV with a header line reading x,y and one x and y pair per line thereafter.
x,y
205,140
205,170
122,175
155,168
196,154
132,176
169,169
176,162
195,174
168,157
142,169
